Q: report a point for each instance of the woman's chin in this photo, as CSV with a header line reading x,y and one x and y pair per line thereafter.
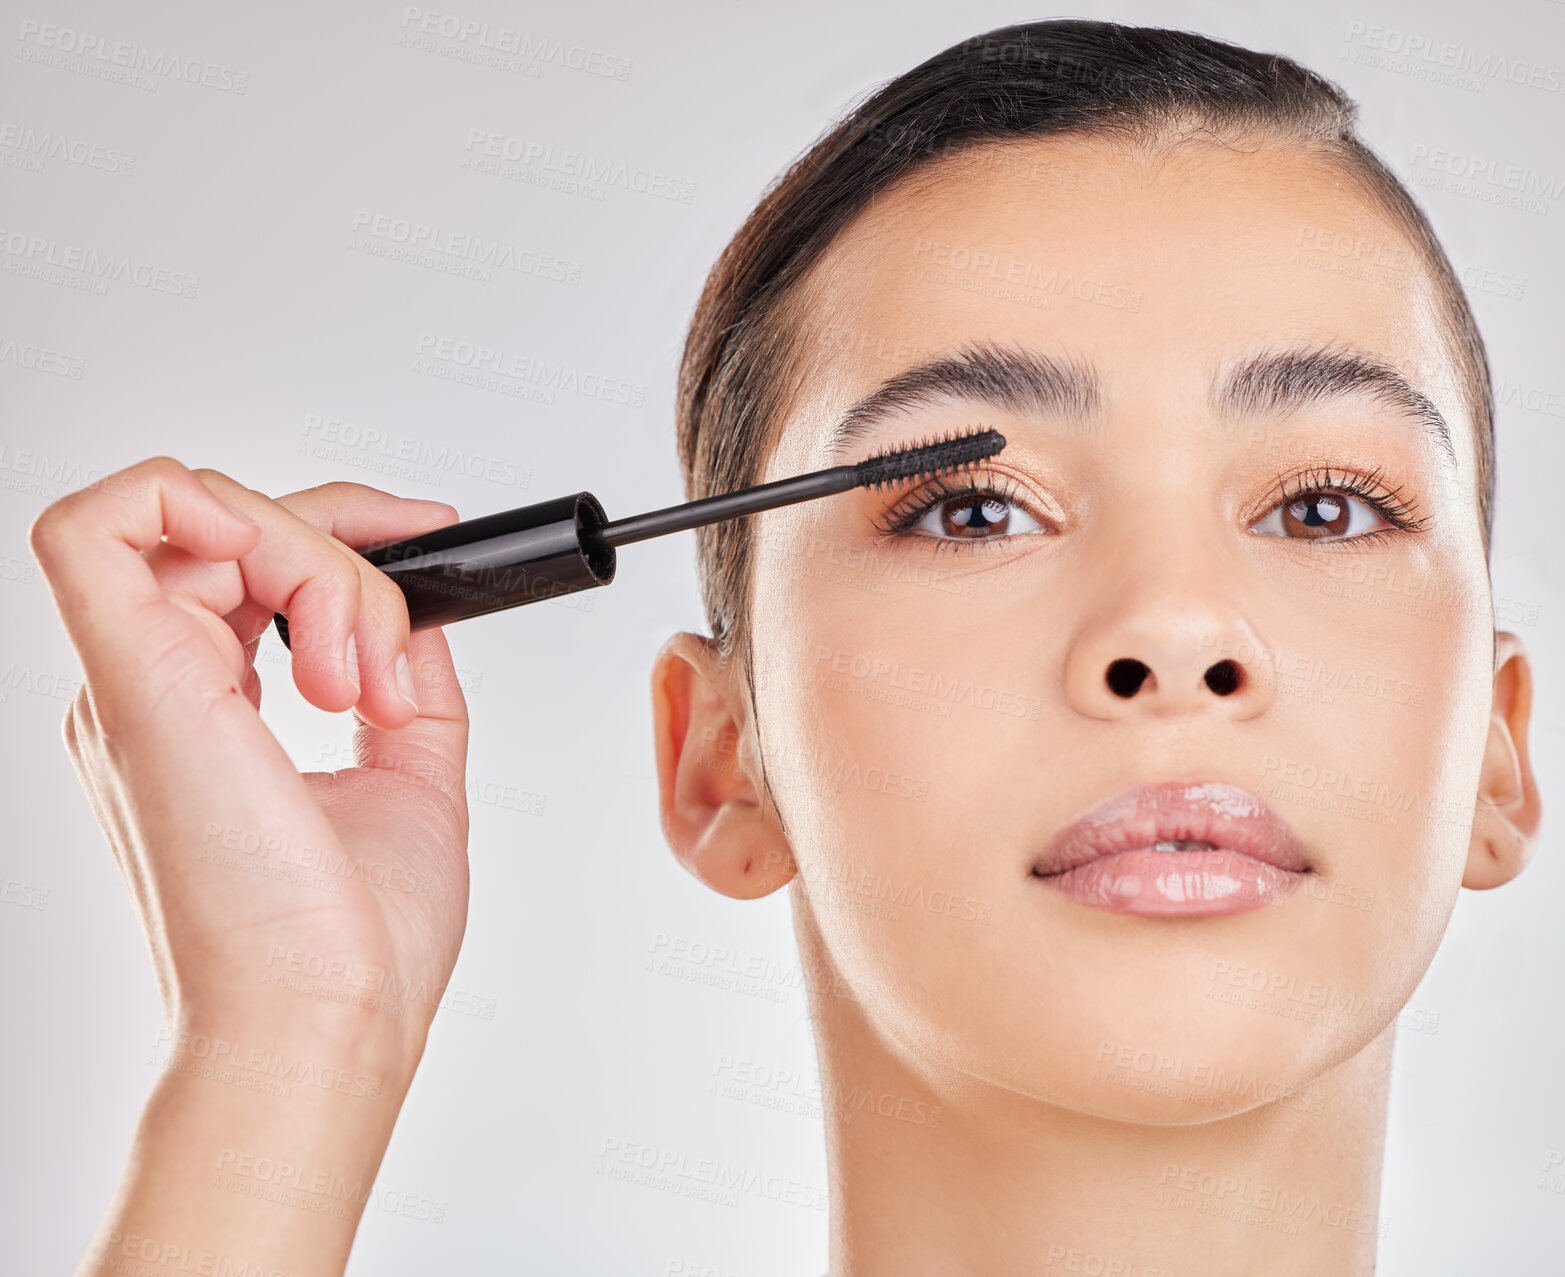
x,y
1167,1062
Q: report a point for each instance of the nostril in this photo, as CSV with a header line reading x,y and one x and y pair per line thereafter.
x,y
1125,676
1224,678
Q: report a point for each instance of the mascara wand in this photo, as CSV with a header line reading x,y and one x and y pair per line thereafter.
x,y
558,547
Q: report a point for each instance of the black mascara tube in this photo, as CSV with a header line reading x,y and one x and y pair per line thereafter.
x,y
497,561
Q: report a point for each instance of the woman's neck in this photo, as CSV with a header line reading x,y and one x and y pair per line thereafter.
x,y
947,1174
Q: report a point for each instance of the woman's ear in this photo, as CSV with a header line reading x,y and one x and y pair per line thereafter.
x,y
1509,811
716,815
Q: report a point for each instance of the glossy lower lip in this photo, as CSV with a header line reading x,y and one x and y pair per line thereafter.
x,y
1128,853
1175,883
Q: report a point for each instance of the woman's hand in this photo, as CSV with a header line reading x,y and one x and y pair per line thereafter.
x,y
302,926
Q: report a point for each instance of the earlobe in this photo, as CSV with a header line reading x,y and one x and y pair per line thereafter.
x,y
715,814
1509,810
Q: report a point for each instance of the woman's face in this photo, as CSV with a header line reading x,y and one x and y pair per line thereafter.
x,y
934,691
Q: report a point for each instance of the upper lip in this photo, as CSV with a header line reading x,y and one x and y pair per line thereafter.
x,y
1228,816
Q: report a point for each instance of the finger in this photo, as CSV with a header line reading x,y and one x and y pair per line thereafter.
x,y
433,747
208,591
349,513
134,643
357,515
312,579
433,744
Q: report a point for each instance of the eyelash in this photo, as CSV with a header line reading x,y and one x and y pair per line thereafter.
x,y
899,518
1401,513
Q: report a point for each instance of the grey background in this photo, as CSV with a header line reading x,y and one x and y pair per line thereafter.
x,y
255,195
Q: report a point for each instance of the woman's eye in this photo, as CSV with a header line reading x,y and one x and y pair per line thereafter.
x,y
1321,516
979,516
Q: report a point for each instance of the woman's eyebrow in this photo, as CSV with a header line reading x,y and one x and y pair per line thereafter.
x,y
1019,379
1276,382
1010,377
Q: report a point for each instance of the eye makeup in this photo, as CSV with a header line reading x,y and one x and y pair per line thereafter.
x,y
979,498
1307,496
1315,497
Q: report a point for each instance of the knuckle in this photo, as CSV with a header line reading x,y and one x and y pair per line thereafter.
x,y
342,488
53,525
216,481
54,521
387,600
161,467
337,493
329,598
340,580
44,531
301,499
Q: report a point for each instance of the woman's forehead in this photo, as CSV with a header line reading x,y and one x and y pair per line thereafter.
x,y
1156,268
1075,232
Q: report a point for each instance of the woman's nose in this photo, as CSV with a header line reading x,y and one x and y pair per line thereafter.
x,y
1165,663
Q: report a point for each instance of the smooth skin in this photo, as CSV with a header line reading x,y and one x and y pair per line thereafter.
x,y
1202,1095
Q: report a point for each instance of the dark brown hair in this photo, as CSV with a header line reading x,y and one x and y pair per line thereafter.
x,y
1036,79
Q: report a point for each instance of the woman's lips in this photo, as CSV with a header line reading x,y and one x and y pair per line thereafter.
x,y
1176,849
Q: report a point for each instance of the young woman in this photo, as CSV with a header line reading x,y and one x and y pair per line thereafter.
x,y
1123,786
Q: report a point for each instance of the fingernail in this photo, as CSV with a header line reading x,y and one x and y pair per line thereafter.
x,y
350,660
405,681
239,514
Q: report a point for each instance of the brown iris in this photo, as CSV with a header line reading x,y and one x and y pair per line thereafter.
x,y
975,516
1324,514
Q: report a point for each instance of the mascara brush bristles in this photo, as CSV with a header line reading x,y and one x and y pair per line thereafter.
x,y
925,460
